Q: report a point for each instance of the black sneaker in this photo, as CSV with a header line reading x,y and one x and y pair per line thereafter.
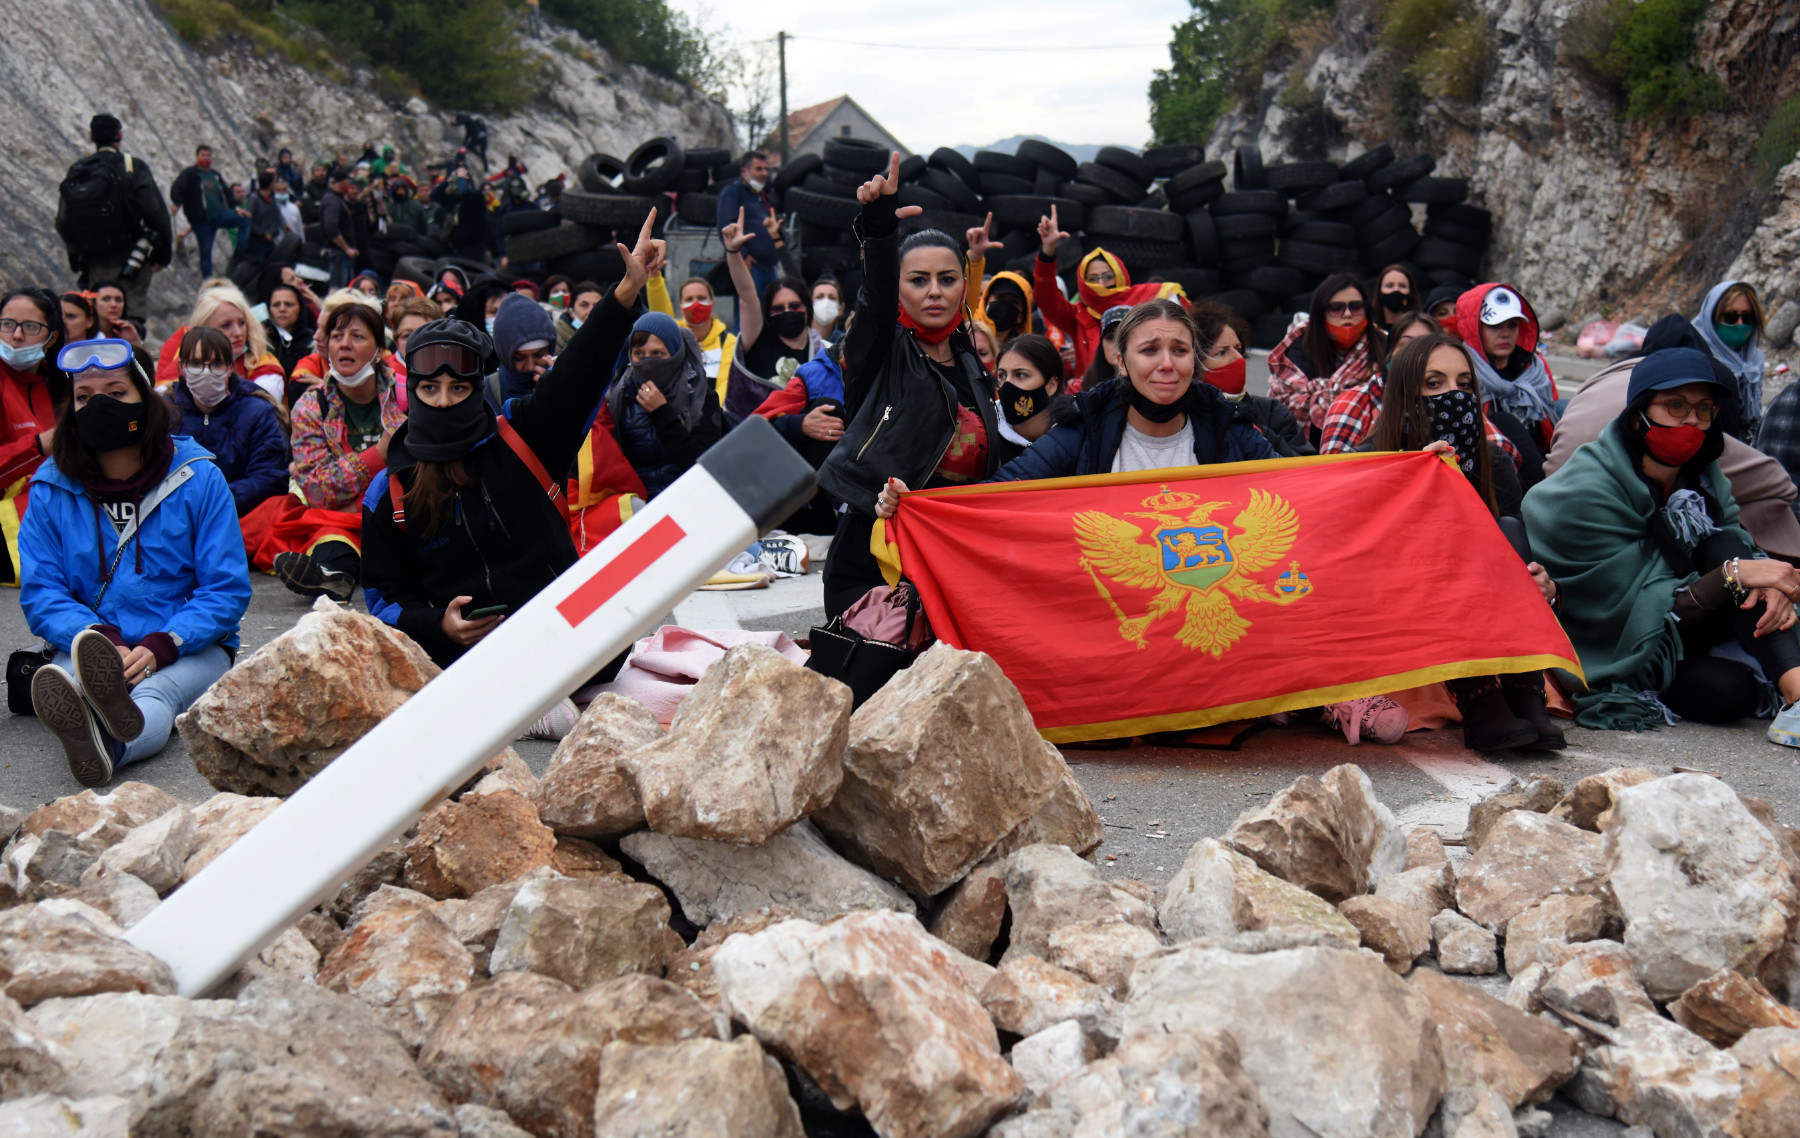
x,y
91,752
302,573
100,672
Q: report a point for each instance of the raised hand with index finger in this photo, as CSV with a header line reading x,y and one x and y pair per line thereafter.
x,y
884,185
979,241
1050,234
735,235
637,262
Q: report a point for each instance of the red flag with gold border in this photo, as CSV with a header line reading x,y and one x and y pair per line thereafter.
x,y
1123,604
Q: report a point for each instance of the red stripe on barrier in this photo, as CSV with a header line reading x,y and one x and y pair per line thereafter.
x,y
620,571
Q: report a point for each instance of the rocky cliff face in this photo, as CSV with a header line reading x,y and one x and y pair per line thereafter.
x,y
64,62
1590,209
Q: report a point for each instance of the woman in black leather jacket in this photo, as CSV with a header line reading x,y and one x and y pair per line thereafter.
x,y
919,402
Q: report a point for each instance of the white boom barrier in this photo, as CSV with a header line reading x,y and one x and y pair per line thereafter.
x,y
302,853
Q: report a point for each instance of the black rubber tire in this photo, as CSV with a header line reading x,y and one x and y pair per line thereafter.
x,y
839,213
812,233
1299,302
565,240
1193,177
1168,161
706,158
1140,257
1123,188
1324,233
842,175
1272,281
690,181
953,223
698,209
827,187
1197,198
1370,208
1467,216
911,167
1367,163
598,265
1044,156
1153,200
1392,249
949,160
1024,210
1203,237
727,173
1397,220
1084,193
652,167
1194,281
1243,226
1448,190
518,221
1046,183
418,270
1142,224
601,174
1297,218
1247,169
1461,234
1125,162
1242,248
432,246
397,250
1312,258
947,185
1435,253
1247,304
1295,177
922,197
794,171
610,210
1268,330
1000,162
1338,195
859,154
1250,201
1450,278
1402,171
995,183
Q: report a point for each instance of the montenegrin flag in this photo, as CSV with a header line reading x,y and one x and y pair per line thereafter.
x,y
1124,604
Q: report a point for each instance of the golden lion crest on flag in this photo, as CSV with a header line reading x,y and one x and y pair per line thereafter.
x,y
1193,563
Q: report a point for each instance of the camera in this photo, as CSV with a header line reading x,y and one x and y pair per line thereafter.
x,y
134,261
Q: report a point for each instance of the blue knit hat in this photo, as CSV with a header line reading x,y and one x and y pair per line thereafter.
x,y
1672,367
520,320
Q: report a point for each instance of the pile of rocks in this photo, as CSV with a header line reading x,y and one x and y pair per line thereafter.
x,y
780,917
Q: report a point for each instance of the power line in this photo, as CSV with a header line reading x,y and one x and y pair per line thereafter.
x,y
962,47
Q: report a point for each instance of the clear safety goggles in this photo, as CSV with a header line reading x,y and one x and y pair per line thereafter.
x,y
94,355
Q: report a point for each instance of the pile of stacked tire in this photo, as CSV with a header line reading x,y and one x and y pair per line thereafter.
x,y
1284,228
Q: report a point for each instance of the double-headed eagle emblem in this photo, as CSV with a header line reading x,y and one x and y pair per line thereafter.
x,y
1193,562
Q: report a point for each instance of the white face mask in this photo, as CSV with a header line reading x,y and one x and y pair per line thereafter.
x,y
208,385
357,380
825,312
754,183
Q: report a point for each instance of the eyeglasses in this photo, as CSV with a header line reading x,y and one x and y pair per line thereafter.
x,y
1345,308
29,327
428,360
778,309
1679,408
204,371
1745,317
91,355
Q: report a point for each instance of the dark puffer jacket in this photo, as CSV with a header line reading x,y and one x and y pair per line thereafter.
x,y
245,437
1086,442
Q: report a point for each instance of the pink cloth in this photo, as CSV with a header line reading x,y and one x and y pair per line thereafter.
x,y
664,666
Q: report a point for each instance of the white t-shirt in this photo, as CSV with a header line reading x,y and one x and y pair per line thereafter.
x,y
1138,451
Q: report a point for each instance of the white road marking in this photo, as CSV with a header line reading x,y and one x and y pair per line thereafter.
x,y
1467,780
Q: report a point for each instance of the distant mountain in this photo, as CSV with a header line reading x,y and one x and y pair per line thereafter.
x,y
1080,152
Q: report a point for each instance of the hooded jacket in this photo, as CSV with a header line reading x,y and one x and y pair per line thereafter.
x,y
1081,321
180,569
1086,442
1529,407
658,444
245,438
519,321
817,382
1745,363
1002,335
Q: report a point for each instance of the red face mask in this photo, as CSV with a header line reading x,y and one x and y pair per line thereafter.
x,y
698,312
1229,379
204,161
1673,446
1346,335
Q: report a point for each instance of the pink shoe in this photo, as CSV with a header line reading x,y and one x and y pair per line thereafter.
x,y
1375,716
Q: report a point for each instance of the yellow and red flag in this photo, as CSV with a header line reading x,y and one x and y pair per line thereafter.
x,y
1122,604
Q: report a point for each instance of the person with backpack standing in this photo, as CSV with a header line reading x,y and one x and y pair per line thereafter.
x,y
200,193
108,203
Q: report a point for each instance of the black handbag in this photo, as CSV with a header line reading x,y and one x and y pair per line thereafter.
x,y
864,665
20,667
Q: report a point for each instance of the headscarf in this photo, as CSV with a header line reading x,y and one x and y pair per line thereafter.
x,y
1528,395
520,321
682,378
1096,299
1746,363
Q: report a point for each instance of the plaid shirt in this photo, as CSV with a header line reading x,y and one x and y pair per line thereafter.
x,y
1351,419
327,473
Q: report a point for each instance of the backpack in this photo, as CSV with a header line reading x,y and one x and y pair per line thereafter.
x,y
553,489
96,209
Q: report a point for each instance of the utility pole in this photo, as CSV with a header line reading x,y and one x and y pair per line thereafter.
x,y
781,49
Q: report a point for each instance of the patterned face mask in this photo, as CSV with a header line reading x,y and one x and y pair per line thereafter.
x,y
1456,419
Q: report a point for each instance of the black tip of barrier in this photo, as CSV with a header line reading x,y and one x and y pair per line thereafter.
x,y
762,473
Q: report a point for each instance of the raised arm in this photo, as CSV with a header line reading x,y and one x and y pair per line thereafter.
x,y
750,315
878,302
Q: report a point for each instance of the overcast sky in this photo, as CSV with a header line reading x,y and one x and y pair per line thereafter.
x,y
930,98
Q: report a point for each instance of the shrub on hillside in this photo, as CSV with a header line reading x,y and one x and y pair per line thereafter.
x,y
1642,50
1217,59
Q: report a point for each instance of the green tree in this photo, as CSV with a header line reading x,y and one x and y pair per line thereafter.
x,y
646,32
1644,51
1217,59
466,54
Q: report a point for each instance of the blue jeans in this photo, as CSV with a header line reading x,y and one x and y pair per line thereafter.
x,y
764,276
167,693
206,231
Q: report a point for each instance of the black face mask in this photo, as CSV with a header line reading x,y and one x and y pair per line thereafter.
x,y
106,423
1004,314
1149,408
1396,302
445,434
787,325
1456,419
1018,404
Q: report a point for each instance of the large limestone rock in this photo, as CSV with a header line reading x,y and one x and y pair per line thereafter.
x,y
1463,946
943,762
1068,819
1523,1057
589,790
1538,795
1589,803
757,745
1219,891
1769,1081
155,853
874,1010
115,1040
1051,1055
124,898
406,965
1659,1074
1179,1084
29,1062
1338,1045
972,912
1527,858
1329,835
103,817
41,1115
284,711
585,932
219,822
1027,995
1594,979
64,948
1561,919
485,1122
1048,887
1390,928
531,1046
694,1089
1427,890
1104,951
692,968
794,869
1701,883
1725,1006
486,839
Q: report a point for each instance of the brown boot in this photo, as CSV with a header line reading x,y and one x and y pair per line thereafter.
x,y
1524,693
1488,724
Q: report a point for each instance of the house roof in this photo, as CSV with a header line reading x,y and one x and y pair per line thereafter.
x,y
805,120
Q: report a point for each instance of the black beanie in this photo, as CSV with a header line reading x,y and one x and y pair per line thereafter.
x,y
104,129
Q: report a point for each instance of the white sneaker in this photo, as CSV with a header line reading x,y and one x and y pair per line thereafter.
x,y
785,556
1786,728
555,723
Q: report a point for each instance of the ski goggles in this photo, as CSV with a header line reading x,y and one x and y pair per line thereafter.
x,y
458,360
95,355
